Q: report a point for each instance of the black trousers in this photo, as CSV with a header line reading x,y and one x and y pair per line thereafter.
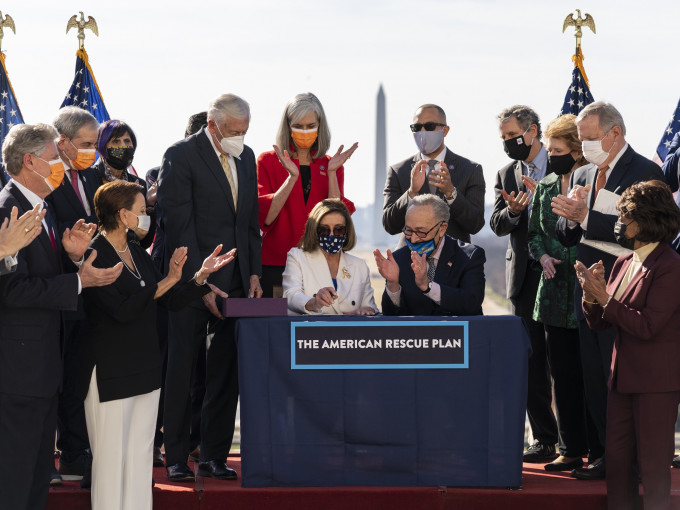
x,y
272,276
72,438
596,359
27,426
564,355
539,396
187,330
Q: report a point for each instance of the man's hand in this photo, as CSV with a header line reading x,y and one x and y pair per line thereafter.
x,y
418,173
91,276
579,192
388,269
77,239
255,288
441,179
516,204
17,233
419,266
529,183
573,209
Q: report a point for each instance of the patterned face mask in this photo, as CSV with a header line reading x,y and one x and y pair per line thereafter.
x,y
331,244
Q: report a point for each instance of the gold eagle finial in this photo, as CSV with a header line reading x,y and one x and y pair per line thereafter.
x,y
6,22
81,25
578,22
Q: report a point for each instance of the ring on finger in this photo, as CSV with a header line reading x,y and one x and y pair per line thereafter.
x,y
176,263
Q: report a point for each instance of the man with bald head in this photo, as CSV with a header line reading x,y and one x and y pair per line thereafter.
x,y
437,170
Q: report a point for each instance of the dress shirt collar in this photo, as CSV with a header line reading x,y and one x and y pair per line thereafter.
x,y
540,161
217,151
29,195
613,162
643,252
438,157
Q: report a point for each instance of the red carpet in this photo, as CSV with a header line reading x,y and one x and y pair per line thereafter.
x,y
540,490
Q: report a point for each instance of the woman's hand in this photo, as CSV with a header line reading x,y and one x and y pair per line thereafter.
x,y
214,262
592,282
364,310
288,164
325,297
340,157
179,257
548,264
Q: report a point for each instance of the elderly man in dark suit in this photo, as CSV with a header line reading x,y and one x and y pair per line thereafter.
x,y
617,166
434,274
32,300
435,169
208,193
520,130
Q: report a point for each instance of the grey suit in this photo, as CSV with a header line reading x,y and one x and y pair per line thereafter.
x,y
467,210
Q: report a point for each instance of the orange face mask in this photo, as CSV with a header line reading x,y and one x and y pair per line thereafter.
x,y
84,159
57,171
303,138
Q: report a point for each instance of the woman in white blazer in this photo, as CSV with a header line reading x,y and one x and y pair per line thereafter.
x,y
320,276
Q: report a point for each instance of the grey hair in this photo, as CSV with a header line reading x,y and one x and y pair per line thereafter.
x,y
440,110
297,108
25,139
525,116
440,209
608,116
228,105
70,119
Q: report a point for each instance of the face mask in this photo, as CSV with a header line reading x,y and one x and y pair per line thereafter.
x,y
516,149
144,222
120,157
331,244
84,158
428,141
232,145
620,235
593,152
56,176
303,138
422,248
561,164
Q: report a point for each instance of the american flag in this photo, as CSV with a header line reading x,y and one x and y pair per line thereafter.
x,y
84,91
667,137
578,95
9,109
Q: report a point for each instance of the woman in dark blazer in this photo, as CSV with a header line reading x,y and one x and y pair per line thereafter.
x,y
120,374
554,307
292,179
641,301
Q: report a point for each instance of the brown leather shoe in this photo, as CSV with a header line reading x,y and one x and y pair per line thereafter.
x,y
195,454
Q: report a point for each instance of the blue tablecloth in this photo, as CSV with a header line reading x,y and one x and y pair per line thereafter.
x,y
408,427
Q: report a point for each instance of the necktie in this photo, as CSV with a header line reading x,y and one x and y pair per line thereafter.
x,y
230,177
431,165
50,227
531,170
600,181
74,182
430,269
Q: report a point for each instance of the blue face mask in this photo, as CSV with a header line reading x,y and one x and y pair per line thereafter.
x,y
422,248
331,244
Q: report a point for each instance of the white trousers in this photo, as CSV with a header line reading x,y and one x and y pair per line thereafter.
x,y
121,438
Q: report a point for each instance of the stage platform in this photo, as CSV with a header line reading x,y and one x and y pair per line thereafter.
x,y
540,490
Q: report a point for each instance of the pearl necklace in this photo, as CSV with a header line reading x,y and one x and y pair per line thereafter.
x,y
134,273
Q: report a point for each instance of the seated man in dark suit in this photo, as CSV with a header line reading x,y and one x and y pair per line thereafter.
x,y
434,274
32,300
435,169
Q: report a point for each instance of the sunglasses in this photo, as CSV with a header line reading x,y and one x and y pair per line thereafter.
x,y
429,126
338,230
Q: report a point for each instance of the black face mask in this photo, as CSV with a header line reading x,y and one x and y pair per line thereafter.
x,y
561,164
120,157
620,235
516,149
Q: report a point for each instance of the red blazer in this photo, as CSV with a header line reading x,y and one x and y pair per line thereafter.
x,y
287,229
646,357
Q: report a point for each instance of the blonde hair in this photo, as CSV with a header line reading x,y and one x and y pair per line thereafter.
x,y
564,128
310,239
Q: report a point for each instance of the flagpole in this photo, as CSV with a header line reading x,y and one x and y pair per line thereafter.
x,y
578,94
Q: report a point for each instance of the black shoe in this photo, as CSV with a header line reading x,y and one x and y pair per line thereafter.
x,y
558,465
86,482
676,462
216,469
158,457
180,473
75,469
592,472
539,453
55,478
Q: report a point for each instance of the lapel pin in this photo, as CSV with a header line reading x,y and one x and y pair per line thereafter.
x,y
345,273
450,264
322,167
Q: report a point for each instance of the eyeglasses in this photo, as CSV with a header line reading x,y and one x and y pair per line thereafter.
x,y
419,234
338,230
429,126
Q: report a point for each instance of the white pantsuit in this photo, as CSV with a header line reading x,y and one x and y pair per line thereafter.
x,y
121,438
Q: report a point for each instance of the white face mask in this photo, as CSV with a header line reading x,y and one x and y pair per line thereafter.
x,y
232,145
144,222
593,152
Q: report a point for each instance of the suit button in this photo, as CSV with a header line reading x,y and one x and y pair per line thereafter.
x,y
352,303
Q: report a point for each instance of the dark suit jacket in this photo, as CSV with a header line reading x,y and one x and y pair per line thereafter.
x,y
631,168
467,210
65,205
460,274
31,301
647,347
199,209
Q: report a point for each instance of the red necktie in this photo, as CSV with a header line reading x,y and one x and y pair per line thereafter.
x,y
50,227
74,183
600,181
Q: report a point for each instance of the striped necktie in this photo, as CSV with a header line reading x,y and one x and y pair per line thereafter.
x,y
230,177
430,269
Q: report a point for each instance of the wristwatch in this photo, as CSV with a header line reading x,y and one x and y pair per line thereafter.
x,y
429,288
